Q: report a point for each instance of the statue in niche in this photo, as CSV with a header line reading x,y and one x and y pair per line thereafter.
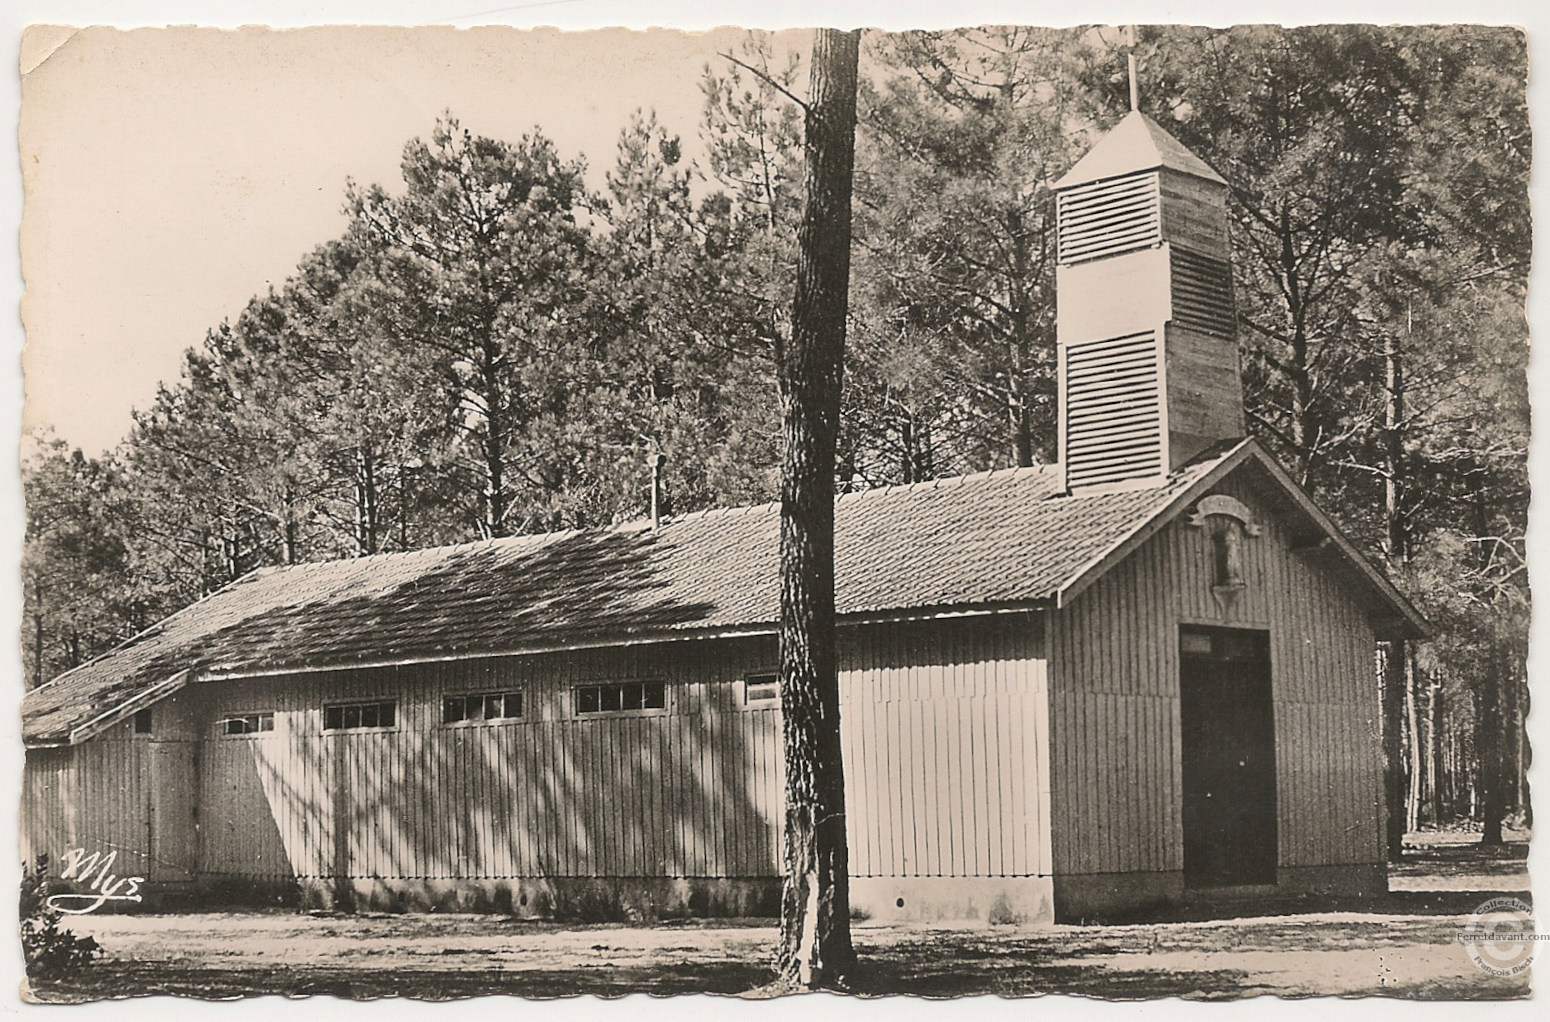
x,y
1228,522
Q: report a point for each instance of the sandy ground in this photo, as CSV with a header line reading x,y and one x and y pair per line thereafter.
x,y
1401,947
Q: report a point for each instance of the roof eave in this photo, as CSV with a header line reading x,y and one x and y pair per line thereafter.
x,y
1406,613
128,707
1412,624
754,629
156,693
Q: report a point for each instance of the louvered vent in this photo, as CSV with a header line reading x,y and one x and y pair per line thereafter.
x,y
1109,217
1202,293
1113,411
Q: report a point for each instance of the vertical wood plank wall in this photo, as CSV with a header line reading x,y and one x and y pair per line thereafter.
x,y
944,729
1114,705
945,737
121,793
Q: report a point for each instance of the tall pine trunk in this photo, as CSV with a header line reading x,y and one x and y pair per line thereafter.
x,y
366,511
494,451
1519,736
1413,759
290,529
1489,719
1488,747
38,673
1393,747
1397,680
815,948
1433,751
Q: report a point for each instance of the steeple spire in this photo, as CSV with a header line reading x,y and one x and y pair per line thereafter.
x,y
1145,327
1130,66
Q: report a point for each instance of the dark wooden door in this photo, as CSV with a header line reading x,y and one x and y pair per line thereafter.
x,y
1228,732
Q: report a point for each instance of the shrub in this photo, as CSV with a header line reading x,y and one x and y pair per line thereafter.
x,y
51,951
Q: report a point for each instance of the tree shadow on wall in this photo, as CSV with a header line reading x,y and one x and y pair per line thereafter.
x,y
627,817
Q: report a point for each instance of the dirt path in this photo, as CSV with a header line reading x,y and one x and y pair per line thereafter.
x,y
227,955
1404,947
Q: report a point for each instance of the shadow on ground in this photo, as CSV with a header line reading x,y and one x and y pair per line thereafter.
x,y
1402,945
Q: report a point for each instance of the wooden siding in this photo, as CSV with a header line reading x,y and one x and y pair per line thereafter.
x,y
1194,214
1087,309
120,792
1205,392
945,740
1114,675
1201,292
1107,218
946,748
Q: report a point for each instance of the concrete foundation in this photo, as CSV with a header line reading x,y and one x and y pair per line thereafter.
x,y
1097,896
975,900
1108,896
1359,880
996,900
592,899
1029,901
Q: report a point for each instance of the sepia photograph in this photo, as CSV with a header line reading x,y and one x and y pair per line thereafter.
x,y
1007,508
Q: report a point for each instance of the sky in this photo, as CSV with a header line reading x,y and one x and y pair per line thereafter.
x,y
173,174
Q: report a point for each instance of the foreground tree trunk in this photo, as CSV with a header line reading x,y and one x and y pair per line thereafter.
x,y
815,948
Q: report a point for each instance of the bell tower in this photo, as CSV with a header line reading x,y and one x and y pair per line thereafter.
x,y
1145,329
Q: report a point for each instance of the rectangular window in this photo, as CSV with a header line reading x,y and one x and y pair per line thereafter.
x,y
246,724
481,706
1224,643
1193,643
143,721
761,689
349,716
621,697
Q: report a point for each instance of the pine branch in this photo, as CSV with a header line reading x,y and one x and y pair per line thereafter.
x,y
764,77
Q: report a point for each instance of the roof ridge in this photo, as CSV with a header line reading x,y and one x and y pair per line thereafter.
x,y
423,551
705,513
940,482
632,525
936,482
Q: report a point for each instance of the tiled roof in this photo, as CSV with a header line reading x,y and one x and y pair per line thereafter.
x,y
993,539
1135,144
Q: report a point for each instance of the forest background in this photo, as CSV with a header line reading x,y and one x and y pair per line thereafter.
x,y
500,339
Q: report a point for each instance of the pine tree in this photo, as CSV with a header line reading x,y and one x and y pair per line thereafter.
x,y
815,903
483,263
